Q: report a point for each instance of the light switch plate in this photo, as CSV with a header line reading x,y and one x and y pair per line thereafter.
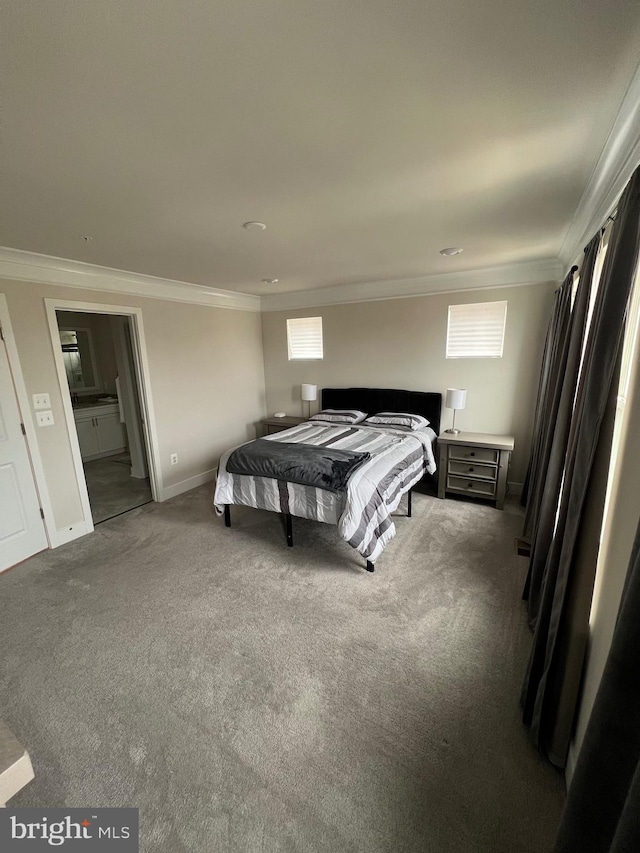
x,y
44,418
41,401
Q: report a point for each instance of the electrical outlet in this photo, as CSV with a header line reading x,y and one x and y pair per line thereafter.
x,y
44,418
174,458
41,401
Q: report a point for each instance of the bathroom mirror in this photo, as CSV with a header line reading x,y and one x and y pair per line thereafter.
x,y
79,359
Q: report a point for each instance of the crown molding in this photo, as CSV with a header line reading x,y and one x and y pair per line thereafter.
x,y
18,265
506,275
617,162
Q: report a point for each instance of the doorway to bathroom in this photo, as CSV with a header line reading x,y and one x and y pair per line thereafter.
x,y
100,359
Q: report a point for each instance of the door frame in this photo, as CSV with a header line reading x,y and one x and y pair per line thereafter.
x,y
144,386
24,409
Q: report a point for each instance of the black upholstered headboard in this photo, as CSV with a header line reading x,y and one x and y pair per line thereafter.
x,y
372,400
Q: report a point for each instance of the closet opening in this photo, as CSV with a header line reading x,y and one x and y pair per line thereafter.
x,y
103,380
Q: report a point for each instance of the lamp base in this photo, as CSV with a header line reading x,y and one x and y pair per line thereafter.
x,y
452,431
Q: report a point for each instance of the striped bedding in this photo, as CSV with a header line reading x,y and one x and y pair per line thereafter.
x,y
363,512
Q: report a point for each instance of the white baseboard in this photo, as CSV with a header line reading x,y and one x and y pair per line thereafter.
x,y
169,492
515,488
68,534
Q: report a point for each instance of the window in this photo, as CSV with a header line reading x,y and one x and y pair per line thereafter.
x,y
476,330
304,338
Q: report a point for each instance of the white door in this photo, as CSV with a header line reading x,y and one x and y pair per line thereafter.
x,y
22,530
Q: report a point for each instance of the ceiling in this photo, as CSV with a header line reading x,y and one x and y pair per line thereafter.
x,y
366,134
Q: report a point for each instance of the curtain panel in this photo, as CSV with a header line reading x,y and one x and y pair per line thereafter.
x,y
545,495
602,812
558,585
553,366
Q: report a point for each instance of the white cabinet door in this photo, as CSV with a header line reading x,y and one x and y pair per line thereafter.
x,y
87,437
100,433
22,530
111,435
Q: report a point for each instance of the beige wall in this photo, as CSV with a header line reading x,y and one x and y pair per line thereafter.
x,y
400,343
206,377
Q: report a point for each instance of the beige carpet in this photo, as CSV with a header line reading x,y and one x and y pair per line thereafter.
x,y
250,697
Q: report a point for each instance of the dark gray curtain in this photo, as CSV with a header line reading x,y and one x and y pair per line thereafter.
x,y
543,502
602,812
548,658
553,369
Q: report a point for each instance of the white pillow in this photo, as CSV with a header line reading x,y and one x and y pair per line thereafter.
x,y
340,416
402,419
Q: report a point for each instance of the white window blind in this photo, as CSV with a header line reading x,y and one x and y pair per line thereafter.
x,y
304,338
476,330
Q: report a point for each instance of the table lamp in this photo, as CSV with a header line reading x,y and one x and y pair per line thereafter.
x,y
308,393
455,399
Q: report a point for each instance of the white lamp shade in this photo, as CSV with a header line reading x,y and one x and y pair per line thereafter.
x,y
456,398
309,392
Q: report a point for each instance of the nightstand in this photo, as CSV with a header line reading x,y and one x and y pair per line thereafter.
x,y
474,463
272,425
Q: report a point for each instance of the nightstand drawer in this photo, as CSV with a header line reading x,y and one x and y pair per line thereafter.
x,y
473,469
477,454
482,488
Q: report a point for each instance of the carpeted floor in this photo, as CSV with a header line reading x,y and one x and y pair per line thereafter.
x,y
250,697
111,487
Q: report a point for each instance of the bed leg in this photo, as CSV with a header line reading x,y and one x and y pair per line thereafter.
x,y
409,503
227,515
370,566
289,528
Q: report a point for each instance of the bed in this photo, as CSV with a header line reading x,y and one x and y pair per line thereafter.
x,y
391,461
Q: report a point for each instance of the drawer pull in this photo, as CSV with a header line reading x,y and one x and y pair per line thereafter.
x,y
472,453
470,485
471,470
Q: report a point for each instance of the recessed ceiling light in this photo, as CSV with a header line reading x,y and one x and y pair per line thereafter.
x,y
254,226
451,250
270,280
86,238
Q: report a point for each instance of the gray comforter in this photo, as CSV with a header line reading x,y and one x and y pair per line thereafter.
x,y
308,465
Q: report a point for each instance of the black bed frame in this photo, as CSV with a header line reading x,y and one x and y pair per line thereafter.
x,y
372,400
